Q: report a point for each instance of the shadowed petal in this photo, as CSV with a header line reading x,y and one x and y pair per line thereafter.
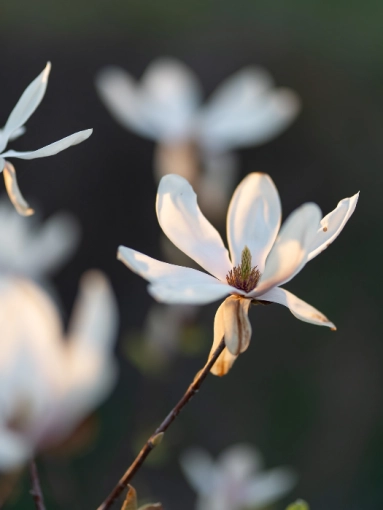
x,y
53,148
289,253
183,223
13,190
332,225
27,104
297,307
253,219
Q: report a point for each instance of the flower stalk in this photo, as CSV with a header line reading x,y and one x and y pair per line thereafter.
x,y
36,491
156,437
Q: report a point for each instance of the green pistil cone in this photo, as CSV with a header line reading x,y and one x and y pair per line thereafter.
x,y
245,263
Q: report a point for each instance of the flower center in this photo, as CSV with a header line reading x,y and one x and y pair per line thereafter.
x,y
244,276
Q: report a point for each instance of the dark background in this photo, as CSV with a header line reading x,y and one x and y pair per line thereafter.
x,y
305,396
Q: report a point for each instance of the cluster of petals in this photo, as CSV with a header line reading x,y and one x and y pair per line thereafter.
x,y
253,223
50,381
236,480
14,127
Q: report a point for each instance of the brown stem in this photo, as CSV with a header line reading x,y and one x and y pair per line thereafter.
x,y
153,439
36,491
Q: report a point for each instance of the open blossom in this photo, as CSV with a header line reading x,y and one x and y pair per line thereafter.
x,y
195,140
14,127
236,480
33,250
50,381
263,255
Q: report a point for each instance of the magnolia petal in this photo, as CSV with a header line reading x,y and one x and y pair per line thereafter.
x,y
289,253
14,193
53,148
120,93
27,104
198,468
174,284
266,488
15,450
253,219
170,95
184,224
302,310
237,327
17,133
226,359
332,225
240,461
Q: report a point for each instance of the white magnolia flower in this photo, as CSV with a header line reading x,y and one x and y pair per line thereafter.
x,y
49,381
263,256
236,481
33,250
166,106
14,127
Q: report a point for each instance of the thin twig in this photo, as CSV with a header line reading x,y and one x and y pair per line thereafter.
x,y
36,491
153,439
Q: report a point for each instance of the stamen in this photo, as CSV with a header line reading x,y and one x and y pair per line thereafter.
x,y
244,276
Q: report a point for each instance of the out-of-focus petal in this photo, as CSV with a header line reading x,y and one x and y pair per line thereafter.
x,y
14,449
199,469
183,223
53,148
246,110
226,360
180,159
289,253
267,488
189,293
13,190
27,104
332,225
170,95
240,461
121,96
297,307
253,219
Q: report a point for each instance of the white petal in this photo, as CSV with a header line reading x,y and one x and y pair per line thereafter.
x,y
53,148
198,468
170,96
27,104
184,224
174,284
121,96
90,368
289,253
332,225
267,488
240,461
297,307
14,193
15,450
253,219
245,110
17,133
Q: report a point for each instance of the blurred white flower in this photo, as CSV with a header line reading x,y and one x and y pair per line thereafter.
x,y
236,481
32,250
263,255
49,381
246,109
14,127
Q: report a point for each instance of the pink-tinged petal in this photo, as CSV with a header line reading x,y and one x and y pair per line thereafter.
x,y
120,94
302,310
170,95
184,224
13,190
253,219
289,253
266,488
53,148
332,225
246,110
27,104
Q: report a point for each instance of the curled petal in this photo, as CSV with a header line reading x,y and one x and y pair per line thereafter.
x,y
27,104
332,225
14,193
184,224
253,219
302,310
289,253
53,148
130,502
